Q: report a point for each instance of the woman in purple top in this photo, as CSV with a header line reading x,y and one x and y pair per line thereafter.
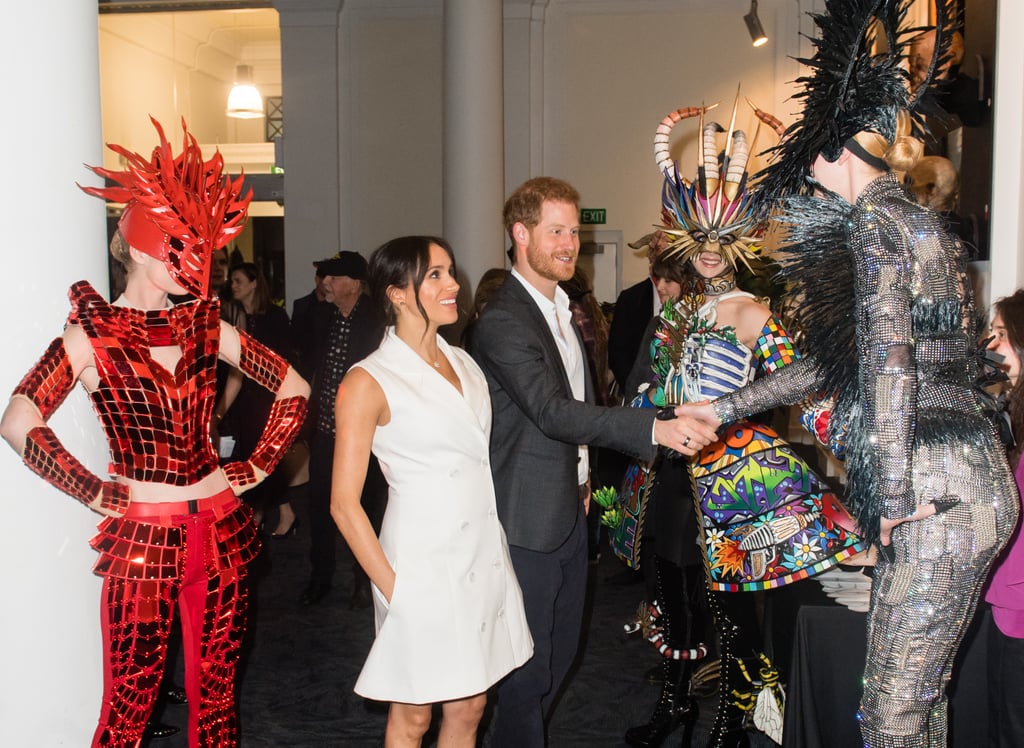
x,y
1006,588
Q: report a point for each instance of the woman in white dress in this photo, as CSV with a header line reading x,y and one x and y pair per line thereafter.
x,y
448,610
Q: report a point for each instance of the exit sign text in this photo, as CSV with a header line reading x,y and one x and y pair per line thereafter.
x,y
592,215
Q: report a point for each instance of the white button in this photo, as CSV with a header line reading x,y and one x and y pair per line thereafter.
x,y
483,626
464,526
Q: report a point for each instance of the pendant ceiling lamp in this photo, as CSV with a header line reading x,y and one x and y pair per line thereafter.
x,y
244,101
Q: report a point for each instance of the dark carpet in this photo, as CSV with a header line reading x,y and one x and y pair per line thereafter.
x,y
301,663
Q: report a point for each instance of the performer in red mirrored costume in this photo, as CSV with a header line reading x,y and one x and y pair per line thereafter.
x,y
175,540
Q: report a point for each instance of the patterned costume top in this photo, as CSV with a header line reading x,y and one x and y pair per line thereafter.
x,y
766,518
157,422
694,359
890,328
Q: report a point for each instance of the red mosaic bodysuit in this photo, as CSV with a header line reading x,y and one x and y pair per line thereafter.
x,y
157,422
159,557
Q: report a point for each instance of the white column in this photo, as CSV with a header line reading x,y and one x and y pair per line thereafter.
x,y
473,136
1007,235
54,234
310,92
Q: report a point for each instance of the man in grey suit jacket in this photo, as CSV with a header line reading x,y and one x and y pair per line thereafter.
x,y
541,397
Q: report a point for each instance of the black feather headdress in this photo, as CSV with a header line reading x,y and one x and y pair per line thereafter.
x,y
857,81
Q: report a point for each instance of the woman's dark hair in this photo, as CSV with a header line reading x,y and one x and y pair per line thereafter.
x,y
678,271
490,281
1011,310
399,262
261,295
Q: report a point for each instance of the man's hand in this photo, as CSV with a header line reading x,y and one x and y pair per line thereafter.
x,y
684,433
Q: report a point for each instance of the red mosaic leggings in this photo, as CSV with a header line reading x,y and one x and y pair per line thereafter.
x,y
136,620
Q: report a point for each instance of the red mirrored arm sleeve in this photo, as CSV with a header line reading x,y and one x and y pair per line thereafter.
x,y
48,383
264,366
48,458
46,386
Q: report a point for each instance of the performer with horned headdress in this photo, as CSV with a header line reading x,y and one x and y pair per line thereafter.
x,y
891,329
764,518
175,539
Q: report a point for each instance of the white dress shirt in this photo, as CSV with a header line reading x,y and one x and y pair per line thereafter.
x,y
559,318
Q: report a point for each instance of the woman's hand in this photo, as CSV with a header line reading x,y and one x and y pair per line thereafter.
x,y
923,512
702,411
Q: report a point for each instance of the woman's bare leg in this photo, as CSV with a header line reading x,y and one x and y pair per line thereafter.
x,y
407,723
460,720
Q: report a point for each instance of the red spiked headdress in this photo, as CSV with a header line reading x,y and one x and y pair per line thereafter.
x,y
178,210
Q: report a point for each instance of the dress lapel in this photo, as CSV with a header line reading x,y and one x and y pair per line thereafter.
x,y
438,392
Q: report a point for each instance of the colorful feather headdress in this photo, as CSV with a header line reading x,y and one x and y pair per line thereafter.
x,y
714,213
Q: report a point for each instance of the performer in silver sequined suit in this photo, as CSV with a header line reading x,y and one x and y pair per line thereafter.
x,y
923,461
890,328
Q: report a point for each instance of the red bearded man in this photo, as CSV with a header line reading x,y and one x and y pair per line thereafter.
x,y
175,538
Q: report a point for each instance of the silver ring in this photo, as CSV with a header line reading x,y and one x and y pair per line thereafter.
x,y
686,441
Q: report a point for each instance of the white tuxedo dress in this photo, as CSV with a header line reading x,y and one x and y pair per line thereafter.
x,y
456,623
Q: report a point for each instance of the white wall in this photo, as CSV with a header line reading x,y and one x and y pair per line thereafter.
x,y
1007,243
50,682
586,83
391,108
613,70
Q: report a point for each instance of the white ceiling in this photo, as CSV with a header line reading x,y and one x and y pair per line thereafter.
x,y
249,35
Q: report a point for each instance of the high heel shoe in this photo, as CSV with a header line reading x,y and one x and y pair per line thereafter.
x,y
175,694
291,532
159,730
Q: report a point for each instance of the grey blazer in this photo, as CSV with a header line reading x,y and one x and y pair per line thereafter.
x,y
538,425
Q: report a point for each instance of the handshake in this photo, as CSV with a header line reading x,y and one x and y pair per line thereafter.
x,y
686,428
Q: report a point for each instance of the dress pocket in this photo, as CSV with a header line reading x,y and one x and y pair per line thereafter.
x,y
382,606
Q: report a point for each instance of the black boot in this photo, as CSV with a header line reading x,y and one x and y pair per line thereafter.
x,y
728,730
674,708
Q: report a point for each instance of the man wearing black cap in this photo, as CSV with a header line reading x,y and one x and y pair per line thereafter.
x,y
355,330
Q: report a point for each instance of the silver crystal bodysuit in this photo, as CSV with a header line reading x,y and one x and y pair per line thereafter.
x,y
916,435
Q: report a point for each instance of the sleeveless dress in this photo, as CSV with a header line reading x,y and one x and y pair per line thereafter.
x,y
456,623
766,518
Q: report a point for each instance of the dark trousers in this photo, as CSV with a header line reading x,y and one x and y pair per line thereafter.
x,y
1006,688
554,588
323,531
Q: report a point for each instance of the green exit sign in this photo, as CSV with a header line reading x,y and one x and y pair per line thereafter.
x,y
592,215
